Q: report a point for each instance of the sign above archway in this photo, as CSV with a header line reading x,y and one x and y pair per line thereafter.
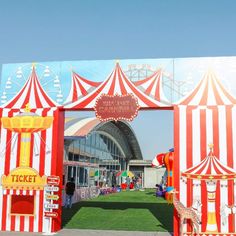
x,y
117,107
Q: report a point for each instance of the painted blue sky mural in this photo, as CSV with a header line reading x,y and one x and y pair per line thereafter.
x,y
180,75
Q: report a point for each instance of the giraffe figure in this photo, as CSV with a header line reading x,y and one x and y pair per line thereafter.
x,y
186,213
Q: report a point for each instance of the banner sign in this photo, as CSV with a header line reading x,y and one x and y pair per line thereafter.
x,y
53,180
51,214
51,206
52,197
25,178
52,189
117,107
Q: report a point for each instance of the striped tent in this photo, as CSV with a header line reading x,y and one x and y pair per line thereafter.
x,y
152,86
202,117
210,168
43,156
116,83
33,93
80,87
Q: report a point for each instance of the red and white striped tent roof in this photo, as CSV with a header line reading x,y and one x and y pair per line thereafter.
x,y
80,87
116,83
152,86
210,168
32,93
208,92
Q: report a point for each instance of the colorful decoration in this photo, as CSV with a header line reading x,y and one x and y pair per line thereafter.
x,y
25,123
29,130
166,160
125,173
32,149
204,116
23,178
210,170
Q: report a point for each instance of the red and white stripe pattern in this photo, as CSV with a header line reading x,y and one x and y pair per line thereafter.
x,y
33,93
116,83
200,119
158,161
80,87
210,169
152,86
42,159
208,92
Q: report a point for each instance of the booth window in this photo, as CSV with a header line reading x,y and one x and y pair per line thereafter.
x,y
22,205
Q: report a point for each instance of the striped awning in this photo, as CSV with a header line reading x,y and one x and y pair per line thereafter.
x,y
19,192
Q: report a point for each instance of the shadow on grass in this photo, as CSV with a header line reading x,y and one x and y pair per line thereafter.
x,y
162,211
151,193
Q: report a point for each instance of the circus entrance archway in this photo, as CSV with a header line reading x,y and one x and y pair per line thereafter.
x,y
32,148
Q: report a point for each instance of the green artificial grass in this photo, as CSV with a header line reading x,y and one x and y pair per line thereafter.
x,y
130,210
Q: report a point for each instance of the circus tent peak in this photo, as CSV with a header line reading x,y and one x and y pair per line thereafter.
x,y
152,86
210,168
33,94
209,92
116,84
80,87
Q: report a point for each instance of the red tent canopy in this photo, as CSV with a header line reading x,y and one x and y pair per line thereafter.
x,y
210,168
116,83
208,92
80,87
32,93
152,86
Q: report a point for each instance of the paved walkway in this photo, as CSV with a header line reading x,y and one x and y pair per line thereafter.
x,y
80,232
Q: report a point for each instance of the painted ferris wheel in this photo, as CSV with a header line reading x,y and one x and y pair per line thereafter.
x,y
47,77
175,89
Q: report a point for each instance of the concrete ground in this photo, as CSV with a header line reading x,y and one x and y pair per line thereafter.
x,y
80,232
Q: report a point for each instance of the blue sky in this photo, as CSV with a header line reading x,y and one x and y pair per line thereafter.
x,y
59,30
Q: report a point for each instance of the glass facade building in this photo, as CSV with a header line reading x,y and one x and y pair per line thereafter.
x,y
94,151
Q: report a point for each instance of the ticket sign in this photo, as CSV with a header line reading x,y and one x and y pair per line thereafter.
x,y
53,180
51,214
52,189
51,206
52,197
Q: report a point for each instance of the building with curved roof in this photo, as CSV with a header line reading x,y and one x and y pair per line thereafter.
x,y
95,151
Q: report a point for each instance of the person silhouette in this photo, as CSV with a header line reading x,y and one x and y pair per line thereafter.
x,y
70,189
